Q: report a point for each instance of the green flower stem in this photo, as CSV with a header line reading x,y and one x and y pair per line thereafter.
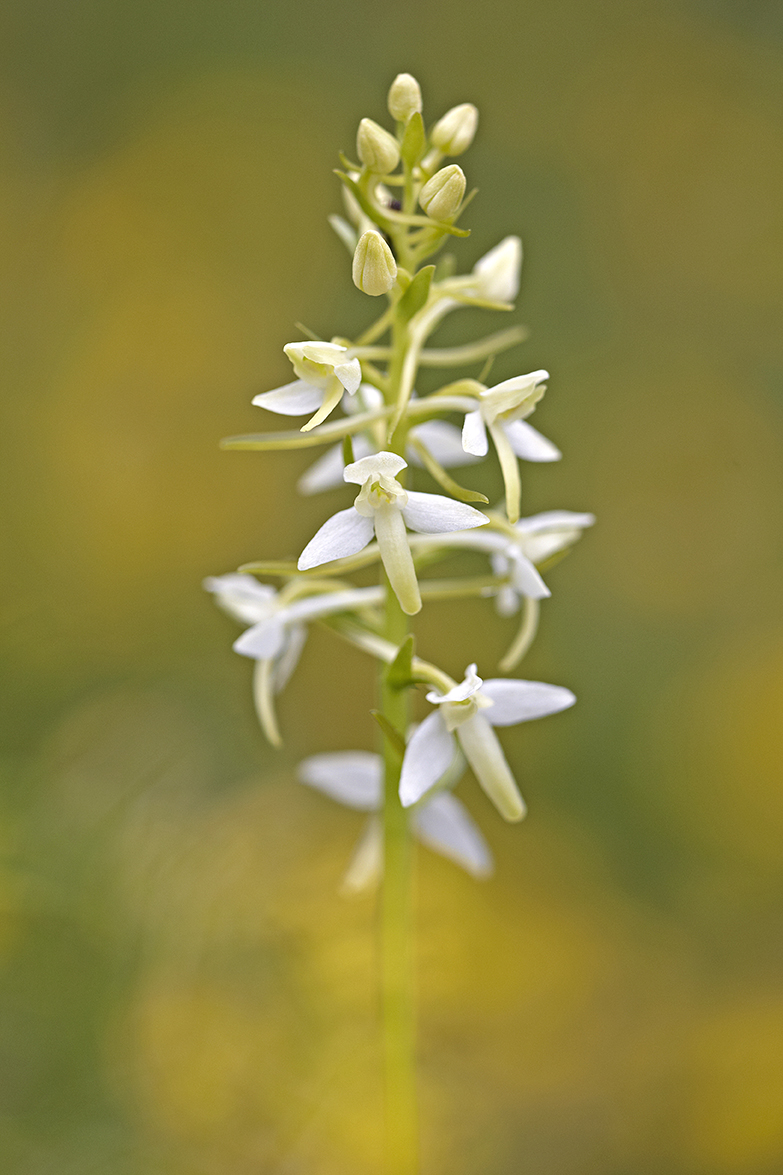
x,y
397,956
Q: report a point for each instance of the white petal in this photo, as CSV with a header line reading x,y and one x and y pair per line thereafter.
x,y
499,271
294,399
444,441
327,472
519,701
242,596
354,778
381,464
437,514
263,641
525,578
444,825
529,444
474,434
288,659
366,867
554,520
396,557
345,533
428,756
319,352
349,375
470,685
485,755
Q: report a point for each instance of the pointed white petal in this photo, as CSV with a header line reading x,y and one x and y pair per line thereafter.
x,y
345,533
383,464
444,441
550,520
525,578
242,596
437,514
428,756
519,701
294,399
354,778
366,867
474,434
288,659
444,825
529,444
349,375
498,271
485,755
263,641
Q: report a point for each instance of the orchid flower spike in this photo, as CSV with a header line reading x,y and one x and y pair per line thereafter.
x,y
501,410
466,714
441,822
384,508
278,630
324,372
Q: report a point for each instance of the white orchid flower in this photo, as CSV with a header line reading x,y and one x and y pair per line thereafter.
x,y
441,822
441,439
501,410
466,714
384,508
325,371
498,271
540,537
278,630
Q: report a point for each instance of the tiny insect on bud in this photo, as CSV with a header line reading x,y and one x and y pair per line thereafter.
x,y
378,150
374,268
442,195
454,133
404,97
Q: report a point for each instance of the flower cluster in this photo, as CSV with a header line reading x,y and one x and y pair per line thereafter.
x,y
403,202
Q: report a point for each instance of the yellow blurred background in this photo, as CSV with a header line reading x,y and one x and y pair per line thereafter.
x,y
183,992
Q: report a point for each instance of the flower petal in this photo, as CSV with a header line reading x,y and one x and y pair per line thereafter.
x,y
529,444
470,685
349,374
550,520
474,434
346,533
242,596
444,441
444,825
353,778
485,755
525,578
428,756
294,399
288,659
396,557
519,701
437,514
383,464
263,641
366,867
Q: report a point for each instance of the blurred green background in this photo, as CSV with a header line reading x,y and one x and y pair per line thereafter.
x,y
182,990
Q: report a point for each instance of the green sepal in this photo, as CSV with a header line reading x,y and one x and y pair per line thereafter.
x,y
444,480
348,457
414,140
416,295
400,673
396,741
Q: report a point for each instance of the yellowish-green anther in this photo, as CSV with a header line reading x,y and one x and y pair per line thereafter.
x,y
374,269
377,149
442,195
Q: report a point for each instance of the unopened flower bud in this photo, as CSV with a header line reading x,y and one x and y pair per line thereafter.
x,y
404,97
374,268
378,150
454,133
442,195
498,271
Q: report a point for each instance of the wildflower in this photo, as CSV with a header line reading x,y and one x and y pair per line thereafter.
x,y
500,410
325,371
278,630
383,508
466,714
540,537
441,822
498,271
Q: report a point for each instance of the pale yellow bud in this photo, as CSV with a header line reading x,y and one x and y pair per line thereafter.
x,y
442,195
378,150
374,268
454,133
404,97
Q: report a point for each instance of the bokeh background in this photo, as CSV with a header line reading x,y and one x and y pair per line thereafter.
x,y
183,991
